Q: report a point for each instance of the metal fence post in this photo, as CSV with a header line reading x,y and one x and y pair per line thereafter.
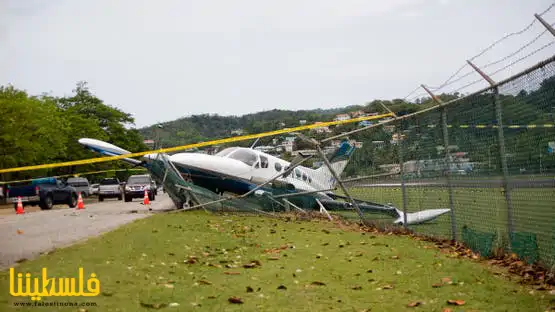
x,y
402,174
447,161
502,151
401,165
338,180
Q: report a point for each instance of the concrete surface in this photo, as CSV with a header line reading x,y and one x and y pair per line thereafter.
x,y
27,236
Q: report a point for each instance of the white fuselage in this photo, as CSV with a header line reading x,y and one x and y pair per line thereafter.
x,y
251,165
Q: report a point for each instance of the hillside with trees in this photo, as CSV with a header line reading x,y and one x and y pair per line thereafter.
x,y
38,129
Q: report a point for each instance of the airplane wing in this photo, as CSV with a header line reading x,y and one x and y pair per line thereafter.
x,y
370,207
107,149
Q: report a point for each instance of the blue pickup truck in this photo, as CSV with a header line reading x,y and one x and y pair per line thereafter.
x,y
45,192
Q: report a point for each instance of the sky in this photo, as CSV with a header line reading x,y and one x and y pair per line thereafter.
x,y
167,59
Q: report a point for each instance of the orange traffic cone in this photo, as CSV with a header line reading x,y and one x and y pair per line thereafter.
x,y
80,204
19,209
146,200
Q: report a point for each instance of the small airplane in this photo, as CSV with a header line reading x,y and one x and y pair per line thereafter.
x,y
240,170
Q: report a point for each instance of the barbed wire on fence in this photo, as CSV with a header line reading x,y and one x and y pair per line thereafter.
x,y
455,77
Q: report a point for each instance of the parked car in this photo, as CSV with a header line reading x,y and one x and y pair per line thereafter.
x,y
93,190
137,184
109,188
45,192
81,185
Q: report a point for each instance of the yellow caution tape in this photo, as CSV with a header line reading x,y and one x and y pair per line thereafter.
x,y
201,144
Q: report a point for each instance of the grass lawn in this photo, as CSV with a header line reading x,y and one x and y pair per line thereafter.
x,y
196,260
481,209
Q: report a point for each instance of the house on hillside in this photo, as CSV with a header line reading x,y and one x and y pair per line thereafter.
x,y
357,114
341,117
237,132
325,129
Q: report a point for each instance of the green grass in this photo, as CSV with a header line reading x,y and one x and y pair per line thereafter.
x,y
145,262
481,209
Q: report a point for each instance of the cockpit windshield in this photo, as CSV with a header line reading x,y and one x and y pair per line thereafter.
x,y
248,157
225,151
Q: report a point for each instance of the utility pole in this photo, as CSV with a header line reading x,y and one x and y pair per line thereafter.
x,y
157,143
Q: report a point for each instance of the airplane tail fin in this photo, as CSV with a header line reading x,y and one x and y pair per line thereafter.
x,y
108,149
338,160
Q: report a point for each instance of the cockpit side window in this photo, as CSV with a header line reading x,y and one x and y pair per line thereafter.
x,y
248,157
263,161
225,152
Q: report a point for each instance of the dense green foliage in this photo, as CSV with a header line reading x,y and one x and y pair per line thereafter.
x,y
45,129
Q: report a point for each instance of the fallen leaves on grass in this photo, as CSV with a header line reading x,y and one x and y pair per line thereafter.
x,y
252,264
156,306
456,302
446,280
276,250
236,300
414,304
191,260
232,273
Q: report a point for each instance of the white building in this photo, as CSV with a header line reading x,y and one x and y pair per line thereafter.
x,y
341,117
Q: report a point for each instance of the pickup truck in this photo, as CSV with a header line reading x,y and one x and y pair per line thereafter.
x,y
45,192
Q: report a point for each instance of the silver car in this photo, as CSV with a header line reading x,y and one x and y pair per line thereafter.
x,y
81,185
94,189
110,188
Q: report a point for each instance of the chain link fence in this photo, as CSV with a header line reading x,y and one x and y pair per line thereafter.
x,y
489,159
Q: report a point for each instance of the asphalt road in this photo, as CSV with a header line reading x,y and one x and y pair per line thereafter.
x,y
468,183
27,236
